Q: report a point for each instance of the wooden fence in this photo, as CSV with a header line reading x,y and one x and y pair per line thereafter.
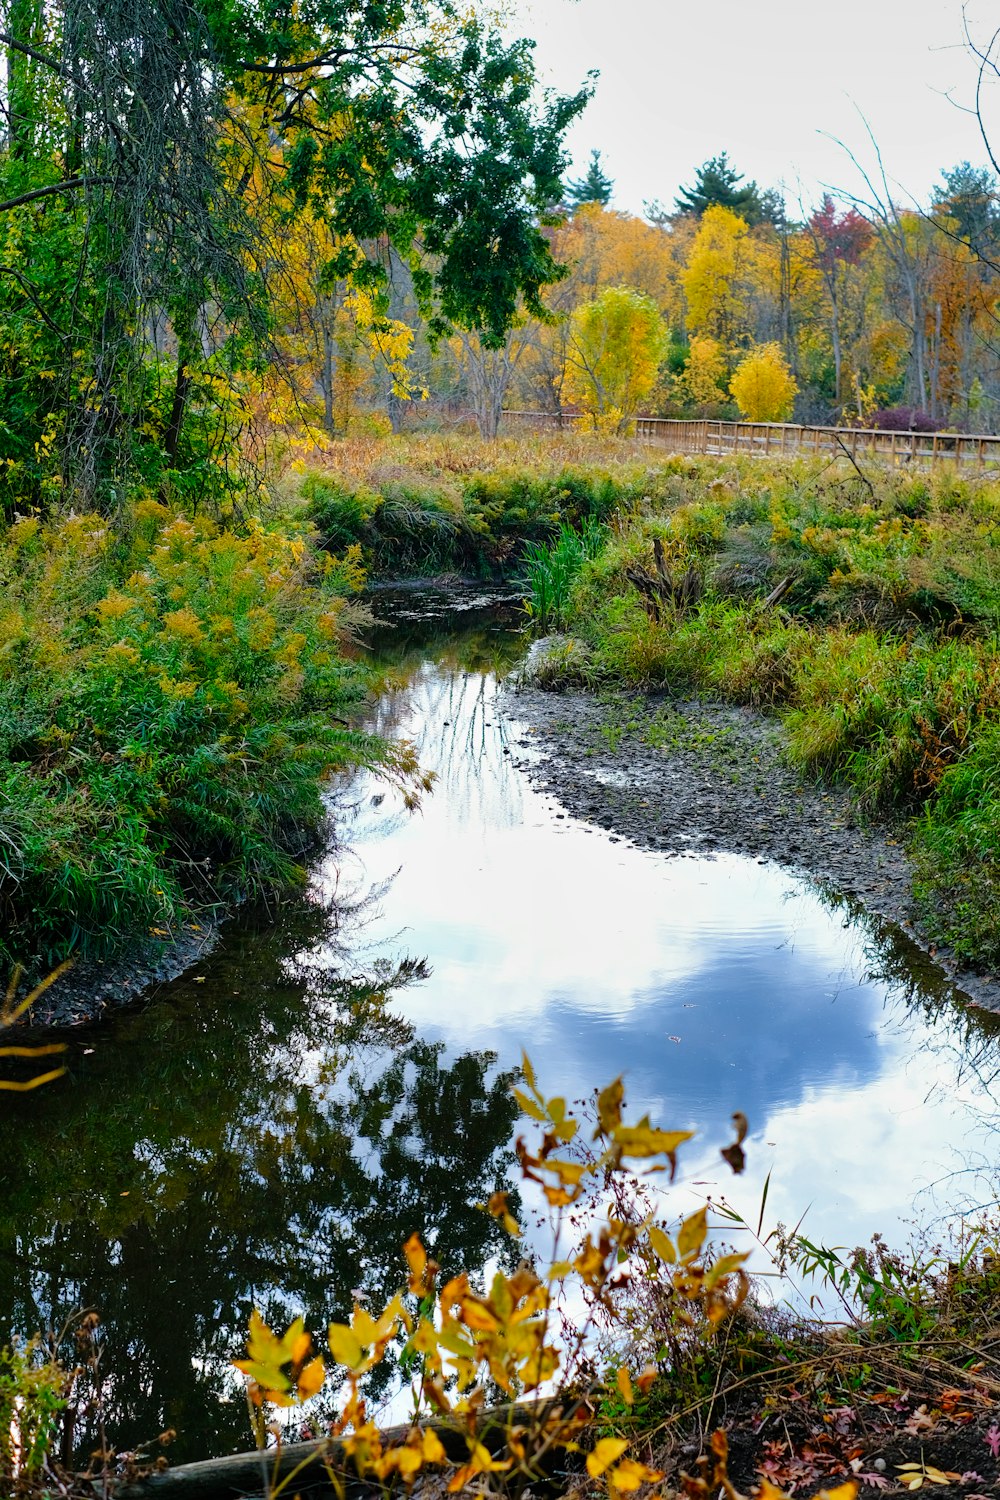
x,y
774,438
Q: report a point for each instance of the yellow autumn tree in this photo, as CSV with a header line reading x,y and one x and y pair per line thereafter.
x,y
601,248
616,346
717,279
333,336
763,386
703,380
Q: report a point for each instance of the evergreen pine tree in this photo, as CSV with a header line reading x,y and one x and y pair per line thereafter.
x,y
594,187
716,182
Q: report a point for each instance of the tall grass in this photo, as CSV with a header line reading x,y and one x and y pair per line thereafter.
x,y
551,570
882,657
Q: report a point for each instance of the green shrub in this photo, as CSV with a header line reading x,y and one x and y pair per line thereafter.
x,y
169,710
32,1396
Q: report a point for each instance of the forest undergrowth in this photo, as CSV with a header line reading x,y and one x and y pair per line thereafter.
x,y
173,696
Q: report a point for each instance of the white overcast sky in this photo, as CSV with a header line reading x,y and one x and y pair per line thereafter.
x,y
768,81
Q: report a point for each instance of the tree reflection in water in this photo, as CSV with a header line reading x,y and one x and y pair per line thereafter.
x,y
266,1140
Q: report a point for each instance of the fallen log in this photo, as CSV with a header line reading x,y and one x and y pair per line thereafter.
x,y
303,1467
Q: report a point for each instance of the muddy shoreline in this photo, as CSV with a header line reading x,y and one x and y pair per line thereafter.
x,y
92,989
686,777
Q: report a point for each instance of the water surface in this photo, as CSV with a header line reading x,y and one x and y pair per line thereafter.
x,y
272,1127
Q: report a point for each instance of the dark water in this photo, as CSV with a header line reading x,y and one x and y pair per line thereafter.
x,y
271,1128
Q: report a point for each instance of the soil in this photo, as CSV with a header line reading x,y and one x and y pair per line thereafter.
x,y
90,989
688,777
805,1442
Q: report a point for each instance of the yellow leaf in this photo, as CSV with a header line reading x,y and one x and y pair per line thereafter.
x,y
605,1453
433,1448
267,1376
477,1316
540,1366
609,1108
499,1207
406,1461
529,1107
724,1266
623,1380
566,1171
846,1491
691,1235
768,1491
344,1346
300,1347
425,1339
662,1244
629,1474
311,1379
645,1140
416,1259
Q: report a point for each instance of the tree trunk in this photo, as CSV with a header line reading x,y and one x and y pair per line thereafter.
x,y
326,380
172,435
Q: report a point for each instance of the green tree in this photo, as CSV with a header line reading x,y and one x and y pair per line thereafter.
x,y
595,186
968,196
229,1178
717,183
405,124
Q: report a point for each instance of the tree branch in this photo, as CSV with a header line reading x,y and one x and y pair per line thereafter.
x,y
53,187
32,297
39,57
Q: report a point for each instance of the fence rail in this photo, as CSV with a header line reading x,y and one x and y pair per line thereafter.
x,y
775,438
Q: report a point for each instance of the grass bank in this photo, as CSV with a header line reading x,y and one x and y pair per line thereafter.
x,y
433,504
172,697
864,610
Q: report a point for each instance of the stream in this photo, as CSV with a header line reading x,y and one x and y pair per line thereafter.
x,y
268,1129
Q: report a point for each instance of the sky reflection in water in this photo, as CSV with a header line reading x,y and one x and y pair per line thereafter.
x,y
711,984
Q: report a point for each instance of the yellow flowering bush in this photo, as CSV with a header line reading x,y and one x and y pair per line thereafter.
x,y
168,713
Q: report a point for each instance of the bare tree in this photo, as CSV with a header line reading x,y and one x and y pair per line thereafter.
x,y
489,373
